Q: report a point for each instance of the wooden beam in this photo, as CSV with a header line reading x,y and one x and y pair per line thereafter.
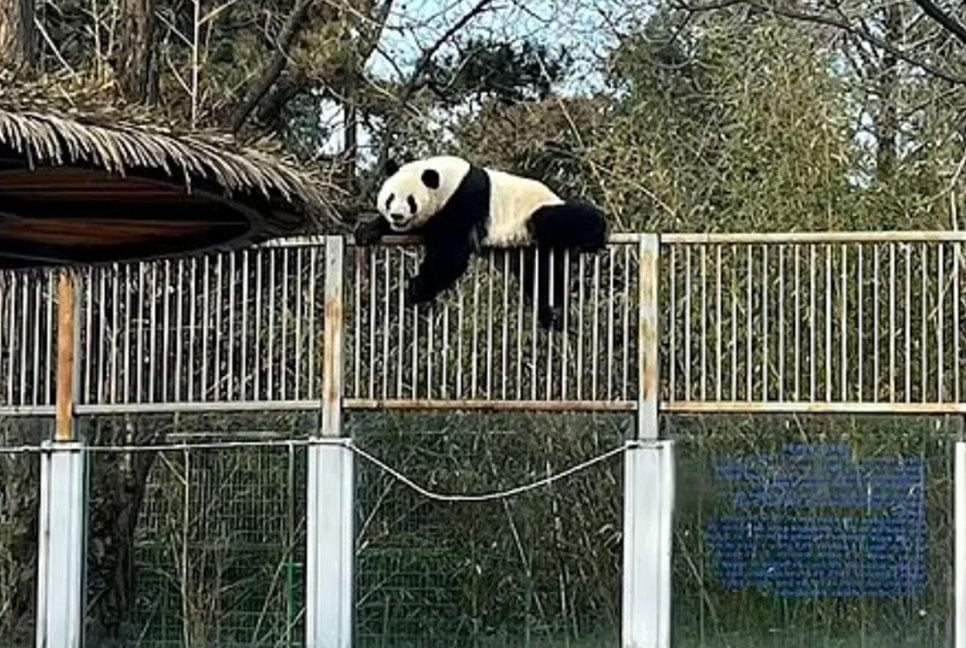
x,y
64,430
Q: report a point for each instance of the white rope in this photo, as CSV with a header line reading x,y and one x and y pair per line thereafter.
x,y
349,445
484,497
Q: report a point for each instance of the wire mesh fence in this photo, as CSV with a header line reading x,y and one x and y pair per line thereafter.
x,y
19,501
538,569
798,531
207,550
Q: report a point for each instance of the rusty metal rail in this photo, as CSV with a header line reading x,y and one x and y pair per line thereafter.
x,y
844,322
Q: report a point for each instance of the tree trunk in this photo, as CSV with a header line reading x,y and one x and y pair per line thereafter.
x,y
887,120
17,34
135,57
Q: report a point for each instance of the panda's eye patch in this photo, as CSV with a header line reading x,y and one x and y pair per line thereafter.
x,y
431,178
389,201
412,204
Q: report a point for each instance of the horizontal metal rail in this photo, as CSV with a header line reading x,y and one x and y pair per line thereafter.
x,y
846,322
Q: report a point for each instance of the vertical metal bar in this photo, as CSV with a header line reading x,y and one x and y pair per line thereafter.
x,y
812,324
299,343
717,325
829,352
205,317
270,346
35,355
489,325
371,392
533,325
626,299
595,344
219,299
749,321
687,323
673,324
566,325
892,322
357,323
610,324
734,323
781,323
284,361
580,326
798,324
505,316
860,328
401,332
243,375
908,324
476,336
764,322
385,322
648,343
844,324
940,322
956,332
87,395
704,323
166,332
444,369
259,290
230,342
924,326
414,388
313,331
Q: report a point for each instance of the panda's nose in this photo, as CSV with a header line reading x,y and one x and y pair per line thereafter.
x,y
396,217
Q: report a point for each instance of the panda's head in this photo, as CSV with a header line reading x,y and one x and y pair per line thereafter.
x,y
416,191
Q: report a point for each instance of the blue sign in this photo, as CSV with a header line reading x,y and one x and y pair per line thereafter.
x,y
810,521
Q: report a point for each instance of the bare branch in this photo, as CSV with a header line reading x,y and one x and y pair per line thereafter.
x,y
293,24
948,22
821,19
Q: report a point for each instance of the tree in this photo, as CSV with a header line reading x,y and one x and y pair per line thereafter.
x,y
17,34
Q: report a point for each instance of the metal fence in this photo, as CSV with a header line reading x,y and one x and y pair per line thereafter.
x,y
851,322
679,324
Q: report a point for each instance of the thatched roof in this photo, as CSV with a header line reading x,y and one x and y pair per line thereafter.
x,y
66,123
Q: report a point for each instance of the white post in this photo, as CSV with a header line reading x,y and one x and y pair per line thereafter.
x,y
329,595
62,542
648,507
959,558
648,481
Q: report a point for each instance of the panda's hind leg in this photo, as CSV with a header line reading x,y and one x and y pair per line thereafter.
x,y
574,225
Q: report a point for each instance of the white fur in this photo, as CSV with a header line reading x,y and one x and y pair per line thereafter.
x,y
513,199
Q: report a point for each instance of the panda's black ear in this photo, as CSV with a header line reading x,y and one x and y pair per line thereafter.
x,y
391,167
431,178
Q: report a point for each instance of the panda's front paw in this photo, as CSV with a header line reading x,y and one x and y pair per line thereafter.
x,y
418,292
368,232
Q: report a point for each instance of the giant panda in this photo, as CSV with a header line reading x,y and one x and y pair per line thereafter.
x,y
457,208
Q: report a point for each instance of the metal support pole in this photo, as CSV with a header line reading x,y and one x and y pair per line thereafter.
x,y
959,558
329,601
648,481
648,506
63,497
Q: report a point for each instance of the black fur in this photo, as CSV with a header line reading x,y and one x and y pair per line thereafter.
x,y
452,236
